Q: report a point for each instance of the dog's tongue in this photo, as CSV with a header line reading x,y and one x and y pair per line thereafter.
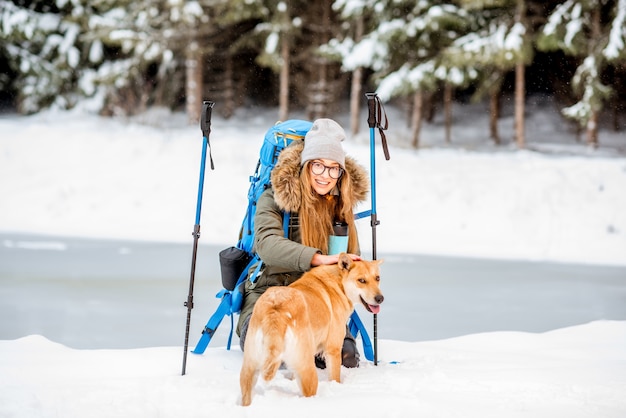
x,y
374,308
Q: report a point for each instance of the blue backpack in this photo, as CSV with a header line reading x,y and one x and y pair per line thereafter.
x,y
236,261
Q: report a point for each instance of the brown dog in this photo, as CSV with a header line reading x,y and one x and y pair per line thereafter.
x,y
290,324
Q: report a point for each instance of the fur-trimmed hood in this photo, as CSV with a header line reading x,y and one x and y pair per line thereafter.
x,y
286,177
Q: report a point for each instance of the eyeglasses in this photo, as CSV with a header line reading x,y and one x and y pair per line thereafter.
x,y
318,169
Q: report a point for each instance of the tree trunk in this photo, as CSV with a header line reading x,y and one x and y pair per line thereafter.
x,y
283,99
416,118
616,114
430,106
355,100
520,89
357,80
520,85
193,82
592,129
592,123
285,55
494,114
322,85
228,94
447,105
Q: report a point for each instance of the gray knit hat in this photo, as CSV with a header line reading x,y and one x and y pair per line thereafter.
x,y
323,141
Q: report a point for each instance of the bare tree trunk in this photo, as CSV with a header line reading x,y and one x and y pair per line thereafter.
x,y
283,99
592,123
193,82
357,80
494,114
616,112
322,85
285,55
228,94
592,129
416,118
520,86
430,104
520,89
447,105
161,85
407,103
355,99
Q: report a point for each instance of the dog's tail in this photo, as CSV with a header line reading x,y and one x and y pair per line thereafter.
x,y
275,325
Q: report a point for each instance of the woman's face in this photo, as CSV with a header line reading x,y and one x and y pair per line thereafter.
x,y
324,175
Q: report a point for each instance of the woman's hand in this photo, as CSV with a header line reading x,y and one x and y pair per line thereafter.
x,y
320,259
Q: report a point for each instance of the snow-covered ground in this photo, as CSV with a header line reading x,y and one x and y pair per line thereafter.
x,y
577,372
79,175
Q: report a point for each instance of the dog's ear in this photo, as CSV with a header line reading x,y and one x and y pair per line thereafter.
x,y
345,262
379,262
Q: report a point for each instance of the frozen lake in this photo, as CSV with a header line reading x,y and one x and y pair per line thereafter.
x,y
122,294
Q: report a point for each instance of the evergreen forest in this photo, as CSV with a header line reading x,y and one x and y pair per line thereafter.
x,y
121,57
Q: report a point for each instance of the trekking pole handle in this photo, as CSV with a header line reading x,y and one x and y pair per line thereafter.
x,y
205,120
375,119
205,125
371,107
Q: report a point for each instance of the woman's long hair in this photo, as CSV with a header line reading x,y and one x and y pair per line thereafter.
x,y
317,213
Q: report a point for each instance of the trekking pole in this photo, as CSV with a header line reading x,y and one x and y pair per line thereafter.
x,y
205,125
376,112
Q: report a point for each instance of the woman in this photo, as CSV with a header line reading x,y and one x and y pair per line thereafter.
x,y
318,185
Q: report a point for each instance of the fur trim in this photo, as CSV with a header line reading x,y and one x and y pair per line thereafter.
x,y
286,179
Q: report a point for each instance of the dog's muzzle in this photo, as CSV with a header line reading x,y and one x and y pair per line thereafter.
x,y
373,308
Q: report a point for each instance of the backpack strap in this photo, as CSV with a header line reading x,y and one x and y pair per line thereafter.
x,y
214,322
355,325
286,225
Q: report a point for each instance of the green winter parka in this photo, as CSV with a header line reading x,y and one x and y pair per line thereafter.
x,y
286,259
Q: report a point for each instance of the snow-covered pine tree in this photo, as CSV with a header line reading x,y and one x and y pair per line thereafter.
x,y
276,34
354,16
44,50
228,53
147,43
290,34
593,31
615,54
323,80
402,45
121,54
498,43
